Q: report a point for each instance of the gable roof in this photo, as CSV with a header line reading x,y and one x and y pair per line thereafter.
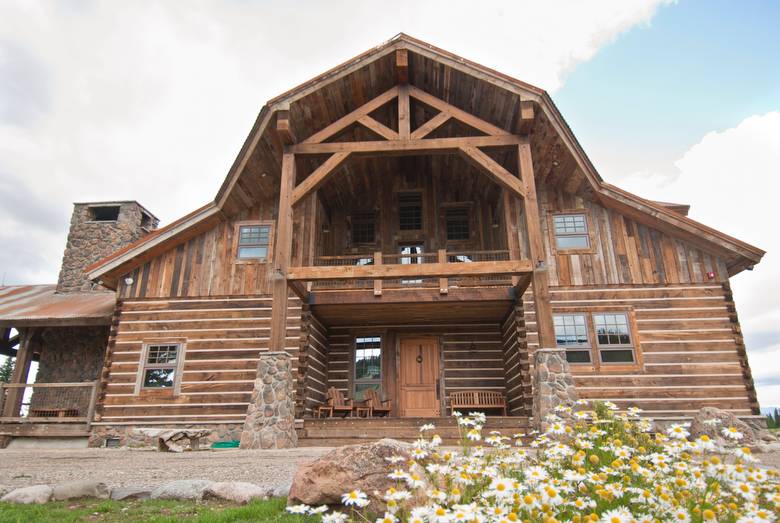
x,y
666,217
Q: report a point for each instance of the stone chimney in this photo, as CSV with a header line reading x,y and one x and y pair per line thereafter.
x,y
96,230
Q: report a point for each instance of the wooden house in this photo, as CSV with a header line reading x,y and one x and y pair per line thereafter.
x,y
417,224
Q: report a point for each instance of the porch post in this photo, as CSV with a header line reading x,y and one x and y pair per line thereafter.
x,y
509,202
282,252
14,396
542,307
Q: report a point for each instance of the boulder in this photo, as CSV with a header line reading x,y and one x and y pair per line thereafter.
x,y
127,493
80,489
28,495
364,467
281,489
238,491
727,419
182,489
765,448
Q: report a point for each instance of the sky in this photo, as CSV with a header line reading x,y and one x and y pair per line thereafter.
x,y
150,100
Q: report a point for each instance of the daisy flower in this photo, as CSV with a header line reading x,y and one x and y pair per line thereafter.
x,y
355,497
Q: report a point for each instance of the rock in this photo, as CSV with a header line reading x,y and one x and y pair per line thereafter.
x,y
5,489
127,493
175,440
238,491
764,448
80,489
280,490
181,489
28,495
765,435
364,467
727,419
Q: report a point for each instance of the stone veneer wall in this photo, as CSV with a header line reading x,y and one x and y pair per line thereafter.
x,y
553,384
270,417
90,241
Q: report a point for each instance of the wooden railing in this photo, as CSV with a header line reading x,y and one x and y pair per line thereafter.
x,y
47,402
441,269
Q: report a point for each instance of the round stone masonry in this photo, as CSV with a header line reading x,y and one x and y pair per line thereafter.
x,y
553,384
270,419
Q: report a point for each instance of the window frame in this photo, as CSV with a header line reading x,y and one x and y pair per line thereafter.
x,y
632,345
466,209
271,224
399,196
589,234
354,381
588,346
354,217
143,366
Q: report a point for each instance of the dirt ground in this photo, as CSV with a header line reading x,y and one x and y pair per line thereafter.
x,y
120,467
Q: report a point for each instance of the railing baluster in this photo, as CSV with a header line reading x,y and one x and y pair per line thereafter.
x,y
377,283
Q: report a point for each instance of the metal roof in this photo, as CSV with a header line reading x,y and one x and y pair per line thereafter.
x,y
40,305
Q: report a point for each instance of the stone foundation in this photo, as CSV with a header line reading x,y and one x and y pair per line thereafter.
x,y
138,436
270,419
553,384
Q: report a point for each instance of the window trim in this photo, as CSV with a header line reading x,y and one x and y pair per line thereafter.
x,y
632,345
588,233
177,373
354,382
271,224
588,347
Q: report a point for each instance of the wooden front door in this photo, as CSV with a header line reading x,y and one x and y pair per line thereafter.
x,y
419,373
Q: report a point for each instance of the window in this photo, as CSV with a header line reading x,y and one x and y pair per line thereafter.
x,y
410,211
254,242
614,338
571,333
104,213
368,365
363,227
160,366
571,231
457,224
408,257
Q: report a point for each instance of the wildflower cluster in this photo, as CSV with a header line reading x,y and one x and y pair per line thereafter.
x,y
588,466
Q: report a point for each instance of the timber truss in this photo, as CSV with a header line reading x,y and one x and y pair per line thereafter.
x,y
404,142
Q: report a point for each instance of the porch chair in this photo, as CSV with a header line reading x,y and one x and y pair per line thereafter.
x,y
335,404
376,405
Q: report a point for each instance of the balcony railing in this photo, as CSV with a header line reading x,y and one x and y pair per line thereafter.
x,y
441,269
47,402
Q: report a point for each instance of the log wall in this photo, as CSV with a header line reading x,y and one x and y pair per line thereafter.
x,y
516,363
312,363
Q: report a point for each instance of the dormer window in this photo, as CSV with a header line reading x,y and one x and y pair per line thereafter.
x,y
571,231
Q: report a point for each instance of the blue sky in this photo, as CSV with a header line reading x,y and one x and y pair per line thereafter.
x,y
151,100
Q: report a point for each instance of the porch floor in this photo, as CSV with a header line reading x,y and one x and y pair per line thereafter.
x,y
331,432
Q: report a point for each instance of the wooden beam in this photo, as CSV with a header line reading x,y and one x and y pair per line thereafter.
x,y
459,114
410,271
404,113
24,357
406,147
526,121
318,177
378,128
350,118
431,125
402,66
282,252
511,222
300,290
542,306
284,127
378,283
489,166
410,295
444,283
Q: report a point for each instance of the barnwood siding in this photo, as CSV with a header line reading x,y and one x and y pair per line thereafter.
x,y
690,340
224,337
516,363
623,251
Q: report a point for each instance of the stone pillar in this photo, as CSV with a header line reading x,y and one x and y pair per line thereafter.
x,y
553,384
270,417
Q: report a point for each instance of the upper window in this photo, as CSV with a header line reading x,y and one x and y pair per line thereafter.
x,y
368,365
458,224
160,364
363,227
614,338
254,242
571,231
410,211
571,333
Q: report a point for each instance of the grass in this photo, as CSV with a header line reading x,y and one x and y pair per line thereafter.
x,y
155,511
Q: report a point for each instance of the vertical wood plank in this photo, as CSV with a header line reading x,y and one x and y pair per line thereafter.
x,y
404,120
282,252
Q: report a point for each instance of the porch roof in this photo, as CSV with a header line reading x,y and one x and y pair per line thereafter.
x,y
41,305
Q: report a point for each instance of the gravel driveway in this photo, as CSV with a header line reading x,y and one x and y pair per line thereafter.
x,y
120,467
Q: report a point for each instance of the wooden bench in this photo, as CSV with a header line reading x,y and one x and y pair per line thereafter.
x,y
477,399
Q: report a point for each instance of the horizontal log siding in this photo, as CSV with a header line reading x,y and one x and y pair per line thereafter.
x,y
312,363
224,339
516,364
690,339
623,251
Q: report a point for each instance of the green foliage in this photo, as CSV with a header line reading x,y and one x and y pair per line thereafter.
x,y
773,419
6,370
154,511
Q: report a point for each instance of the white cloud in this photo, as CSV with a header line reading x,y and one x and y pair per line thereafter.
x,y
152,100
731,179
